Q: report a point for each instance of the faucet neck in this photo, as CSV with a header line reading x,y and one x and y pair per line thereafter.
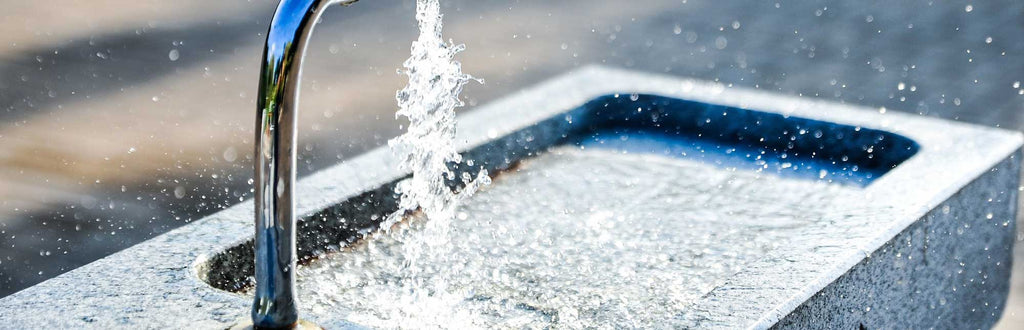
x,y
274,305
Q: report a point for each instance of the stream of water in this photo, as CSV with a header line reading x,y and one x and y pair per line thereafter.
x,y
427,149
428,145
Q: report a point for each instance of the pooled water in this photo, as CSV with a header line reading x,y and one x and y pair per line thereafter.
x,y
573,238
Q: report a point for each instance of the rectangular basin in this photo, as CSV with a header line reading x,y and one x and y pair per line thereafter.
x,y
622,199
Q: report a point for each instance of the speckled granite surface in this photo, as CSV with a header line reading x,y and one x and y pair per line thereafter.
x,y
156,284
949,270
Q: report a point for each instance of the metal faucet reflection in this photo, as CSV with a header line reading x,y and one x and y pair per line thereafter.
x,y
275,302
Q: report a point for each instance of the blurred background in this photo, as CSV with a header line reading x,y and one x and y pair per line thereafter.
x,y
121,120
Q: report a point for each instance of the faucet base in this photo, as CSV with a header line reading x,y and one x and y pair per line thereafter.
x,y
300,325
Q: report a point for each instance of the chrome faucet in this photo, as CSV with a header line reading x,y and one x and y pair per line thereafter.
x,y
275,302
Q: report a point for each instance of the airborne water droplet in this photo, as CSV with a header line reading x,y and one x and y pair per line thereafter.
x,y
721,42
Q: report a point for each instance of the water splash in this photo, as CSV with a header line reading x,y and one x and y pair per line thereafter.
x,y
428,146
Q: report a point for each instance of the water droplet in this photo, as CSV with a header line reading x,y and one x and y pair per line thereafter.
x,y
969,8
691,37
721,42
230,154
173,55
677,29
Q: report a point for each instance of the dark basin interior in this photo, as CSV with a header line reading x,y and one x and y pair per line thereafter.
x,y
742,139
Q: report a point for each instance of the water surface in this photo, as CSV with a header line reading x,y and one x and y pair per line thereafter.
x,y
574,238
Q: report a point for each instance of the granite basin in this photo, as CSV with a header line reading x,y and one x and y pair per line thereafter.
x,y
814,213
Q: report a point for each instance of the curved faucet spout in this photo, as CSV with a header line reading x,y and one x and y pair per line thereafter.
x,y
290,29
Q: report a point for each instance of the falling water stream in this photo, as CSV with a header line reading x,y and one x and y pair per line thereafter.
x,y
427,149
428,145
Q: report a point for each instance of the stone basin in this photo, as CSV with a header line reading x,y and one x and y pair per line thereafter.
x,y
622,199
